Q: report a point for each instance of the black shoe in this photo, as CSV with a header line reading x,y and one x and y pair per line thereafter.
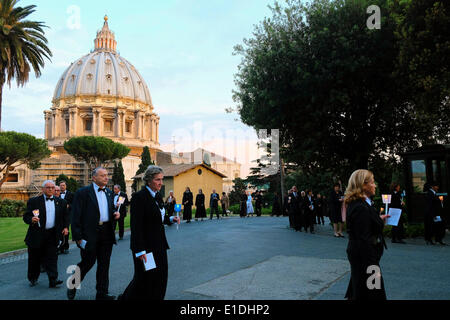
x,y
71,293
119,297
120,238
54,283
33,283
104,297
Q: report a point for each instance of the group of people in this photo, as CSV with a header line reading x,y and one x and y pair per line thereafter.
x,y
246,204
92,213
304,209
200,212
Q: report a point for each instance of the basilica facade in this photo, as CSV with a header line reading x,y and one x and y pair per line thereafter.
x,y
99,94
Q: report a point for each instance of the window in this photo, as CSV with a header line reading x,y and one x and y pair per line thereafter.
x,y
67,125
108,125
12,177
88,125
419,175
199,172
128,126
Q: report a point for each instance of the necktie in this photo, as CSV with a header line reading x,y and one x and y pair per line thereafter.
x,y
63,192
101,189
47,199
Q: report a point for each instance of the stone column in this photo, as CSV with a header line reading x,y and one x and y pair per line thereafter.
x,y
47,117
157,130
95,122
150,127
137,118
72,122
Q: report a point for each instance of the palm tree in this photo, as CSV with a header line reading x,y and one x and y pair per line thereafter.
x,y
22,45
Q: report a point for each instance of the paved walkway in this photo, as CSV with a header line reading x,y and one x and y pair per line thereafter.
x,y
250,258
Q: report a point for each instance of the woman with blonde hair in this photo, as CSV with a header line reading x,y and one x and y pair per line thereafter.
x,y
366,242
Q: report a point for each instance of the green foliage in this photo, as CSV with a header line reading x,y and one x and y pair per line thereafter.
x,y
333,87
238,188
71,183
20,148
23,44
95,151
12,208
146,160
119,177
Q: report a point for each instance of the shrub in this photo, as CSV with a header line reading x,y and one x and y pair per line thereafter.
x,y
12,208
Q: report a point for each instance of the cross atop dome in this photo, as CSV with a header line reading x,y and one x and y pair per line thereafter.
x,y
105,39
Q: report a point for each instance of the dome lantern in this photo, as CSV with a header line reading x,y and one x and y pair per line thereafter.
x,y
105,39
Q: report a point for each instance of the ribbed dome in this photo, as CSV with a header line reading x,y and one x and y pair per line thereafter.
x,y
103,73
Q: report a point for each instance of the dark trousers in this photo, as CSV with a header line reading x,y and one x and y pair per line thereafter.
x,y
258,210
398,231
320,218
224,211
101,254
309,218
121,223
46,255
216,210
148,285
428,224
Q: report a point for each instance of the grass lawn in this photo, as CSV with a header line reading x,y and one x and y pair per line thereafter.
x,y
14,230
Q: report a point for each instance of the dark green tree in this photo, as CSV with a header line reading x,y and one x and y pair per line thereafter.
x,y
20,148
95,151
238,188
72,184
146,160
330,84
118,176
23,45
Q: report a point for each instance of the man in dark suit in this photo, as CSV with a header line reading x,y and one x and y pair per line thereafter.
x,y
68,196
93,216
148,239
258,203
48,220
434,225
214,204
123,209
309,211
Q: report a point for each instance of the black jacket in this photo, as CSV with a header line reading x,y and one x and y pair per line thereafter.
x,y
365,248
433,205
86,216
214,200
189,198
123,207
147,228
35,234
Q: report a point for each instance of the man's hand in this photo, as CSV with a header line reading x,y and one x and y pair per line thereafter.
x,y
143,258
117,215
65,231
176,219
34,220
79,242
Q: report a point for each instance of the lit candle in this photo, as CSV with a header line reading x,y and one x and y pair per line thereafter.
x,y
36,214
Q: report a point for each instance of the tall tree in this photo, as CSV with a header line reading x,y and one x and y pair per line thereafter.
x,y
329,84
95,151
20,148
146,160
118,176
71,183
23,45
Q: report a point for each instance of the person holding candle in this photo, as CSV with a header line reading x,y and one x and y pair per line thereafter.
x,y
396,202
48,222
366,242
148,239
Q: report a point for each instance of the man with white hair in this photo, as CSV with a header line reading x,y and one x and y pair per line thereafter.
x,y
48,219
93,216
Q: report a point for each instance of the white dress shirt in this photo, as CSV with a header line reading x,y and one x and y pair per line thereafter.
x,y
102,203
116,198
50,213
62,195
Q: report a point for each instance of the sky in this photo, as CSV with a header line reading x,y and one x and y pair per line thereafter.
x,y
184,51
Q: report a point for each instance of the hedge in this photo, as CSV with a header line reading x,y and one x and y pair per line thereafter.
x,y
12,208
